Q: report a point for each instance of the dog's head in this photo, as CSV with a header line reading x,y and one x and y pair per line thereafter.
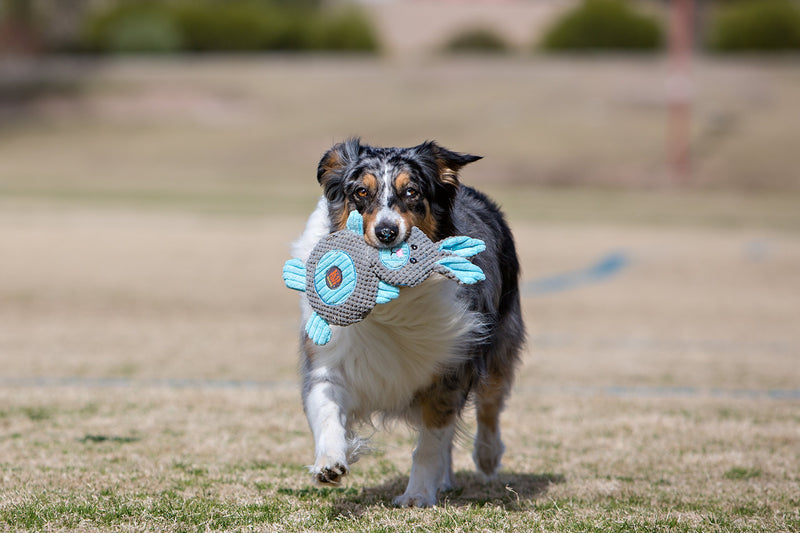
x,y
394,189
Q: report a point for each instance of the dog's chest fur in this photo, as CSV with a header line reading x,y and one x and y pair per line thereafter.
x,y
400,348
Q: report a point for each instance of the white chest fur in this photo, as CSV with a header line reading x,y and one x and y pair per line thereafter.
x,y
399,348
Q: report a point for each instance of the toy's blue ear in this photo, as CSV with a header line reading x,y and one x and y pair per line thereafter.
x,y
462,246
294,275
318,330
386,292
459,268
355,223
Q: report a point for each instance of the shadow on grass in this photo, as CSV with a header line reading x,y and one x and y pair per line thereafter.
x,y
509,490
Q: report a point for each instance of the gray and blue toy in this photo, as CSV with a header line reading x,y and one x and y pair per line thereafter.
x,y
345,277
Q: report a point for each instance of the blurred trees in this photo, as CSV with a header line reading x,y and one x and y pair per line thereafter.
x,y
165,26
477,40
17,27
603,24
160,26
232,25
763,25
723,26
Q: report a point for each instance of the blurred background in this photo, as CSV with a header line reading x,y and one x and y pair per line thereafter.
x,y
157,158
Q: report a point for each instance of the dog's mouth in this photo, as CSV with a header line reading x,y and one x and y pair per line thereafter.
x,y
386,231
384,242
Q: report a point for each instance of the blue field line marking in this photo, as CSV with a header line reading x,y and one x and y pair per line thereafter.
x,y
620,391
606,267
612,391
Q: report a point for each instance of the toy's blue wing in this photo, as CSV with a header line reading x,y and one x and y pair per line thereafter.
x,y
461,269
318,330
462,246
355,222
294,274
386,292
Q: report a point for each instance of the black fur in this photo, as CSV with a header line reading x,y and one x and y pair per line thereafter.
x,y
458,210
432,168
421,184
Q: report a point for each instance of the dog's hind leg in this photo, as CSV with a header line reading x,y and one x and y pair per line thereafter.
x,y
490,398
491,391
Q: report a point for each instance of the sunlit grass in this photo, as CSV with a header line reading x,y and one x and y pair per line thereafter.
x,y
624,465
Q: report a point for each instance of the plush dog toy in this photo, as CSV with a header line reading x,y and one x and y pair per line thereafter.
x,y
345,277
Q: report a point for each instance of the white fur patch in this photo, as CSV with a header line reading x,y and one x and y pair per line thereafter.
x,y
430,471
399,348
386,213
317,226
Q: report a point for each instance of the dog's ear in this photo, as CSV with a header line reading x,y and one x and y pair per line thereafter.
x,y
448,163
333,167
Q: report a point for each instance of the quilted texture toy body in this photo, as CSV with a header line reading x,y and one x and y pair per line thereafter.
x,y
345,277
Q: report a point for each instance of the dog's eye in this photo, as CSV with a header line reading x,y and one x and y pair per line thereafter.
x,y
362,192
411,192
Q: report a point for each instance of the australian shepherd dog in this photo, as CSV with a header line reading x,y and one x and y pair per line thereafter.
x,y
423,356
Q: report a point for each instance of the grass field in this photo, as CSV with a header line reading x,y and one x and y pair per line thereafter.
x,y
148,346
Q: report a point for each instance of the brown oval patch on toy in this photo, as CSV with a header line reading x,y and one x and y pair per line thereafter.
x,y
333,277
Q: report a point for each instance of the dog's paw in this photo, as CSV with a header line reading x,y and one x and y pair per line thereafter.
x,y
487,454
415,500
329,474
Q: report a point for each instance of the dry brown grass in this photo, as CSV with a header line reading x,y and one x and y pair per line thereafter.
x,y
225,128
150,458
150,297
104,294
147,247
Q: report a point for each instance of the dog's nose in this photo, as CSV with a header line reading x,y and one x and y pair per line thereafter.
x,y
386,233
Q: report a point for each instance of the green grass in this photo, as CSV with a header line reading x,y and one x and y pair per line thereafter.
x,y
159,482
350,510
168,509
742,473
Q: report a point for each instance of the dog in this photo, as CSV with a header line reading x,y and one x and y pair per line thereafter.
x,y
423,356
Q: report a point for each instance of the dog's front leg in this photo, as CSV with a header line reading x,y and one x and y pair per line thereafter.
x,y
326,409
431,469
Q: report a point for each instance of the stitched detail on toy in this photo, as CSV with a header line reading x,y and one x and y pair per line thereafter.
x,y
397,257
335,277
355,296
350,277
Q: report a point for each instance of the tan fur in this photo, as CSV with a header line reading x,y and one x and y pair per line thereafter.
x,y
369,226
330,163
341,223
436,408
427,223
370,182
447,174
490,398
401,181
